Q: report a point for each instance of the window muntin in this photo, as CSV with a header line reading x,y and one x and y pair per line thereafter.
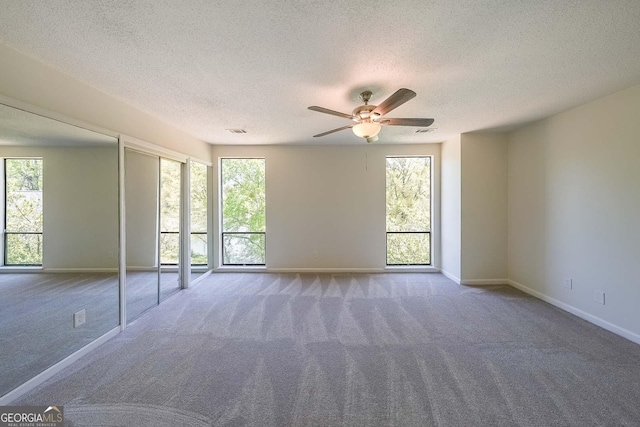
x,y
23,211
199,218
408,210
243,200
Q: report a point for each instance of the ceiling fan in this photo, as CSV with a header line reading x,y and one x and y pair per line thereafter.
x,y
369,118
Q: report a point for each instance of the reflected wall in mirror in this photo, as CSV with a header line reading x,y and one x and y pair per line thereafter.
x,y
199,200
59,244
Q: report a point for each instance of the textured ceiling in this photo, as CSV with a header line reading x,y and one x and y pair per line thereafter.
x,y
206,66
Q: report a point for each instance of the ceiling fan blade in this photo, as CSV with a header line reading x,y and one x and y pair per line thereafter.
x,y
394,101
332,131
327,111
407,122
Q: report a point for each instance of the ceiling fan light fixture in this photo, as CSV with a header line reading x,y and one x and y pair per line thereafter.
x,y
370,118
367,130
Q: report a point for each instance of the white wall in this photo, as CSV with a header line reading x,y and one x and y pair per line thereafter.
x,y
484,208
573,209
451,208
27,80
326,204
80,204
142,176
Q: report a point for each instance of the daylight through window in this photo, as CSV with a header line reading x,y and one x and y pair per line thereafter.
x,y
243,211
23,211
408,210
199,244
169,211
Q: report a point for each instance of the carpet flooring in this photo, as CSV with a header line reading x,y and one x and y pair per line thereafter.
x,y
36,319
36,315
352,350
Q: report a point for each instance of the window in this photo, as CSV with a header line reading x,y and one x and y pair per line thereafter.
x,y
242,189
408,210
23,211
199,202
169,212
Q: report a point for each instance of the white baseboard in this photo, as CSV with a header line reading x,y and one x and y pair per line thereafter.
x,y
325,270
9,269
53,370
356,270
451,276
481,282
79,270
346,270
632,336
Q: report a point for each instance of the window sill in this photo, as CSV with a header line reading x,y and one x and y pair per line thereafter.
x,y
412,268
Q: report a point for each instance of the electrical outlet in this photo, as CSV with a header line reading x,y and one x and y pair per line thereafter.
x,y
110,254
79,318
598,296
568,283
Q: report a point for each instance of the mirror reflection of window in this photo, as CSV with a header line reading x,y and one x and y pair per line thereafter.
x,y
169,212
199,218
170,203
23,211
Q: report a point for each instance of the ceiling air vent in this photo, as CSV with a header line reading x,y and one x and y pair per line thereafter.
x,y
424,130
237,130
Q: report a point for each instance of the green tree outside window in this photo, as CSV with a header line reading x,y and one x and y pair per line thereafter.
x,y
23,211
243,211
408,194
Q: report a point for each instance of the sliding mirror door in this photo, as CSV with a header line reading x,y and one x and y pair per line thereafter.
x,y
153,216
59,264
142,178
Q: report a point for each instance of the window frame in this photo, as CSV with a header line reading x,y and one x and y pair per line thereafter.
x,y
428,232
223,233
5,232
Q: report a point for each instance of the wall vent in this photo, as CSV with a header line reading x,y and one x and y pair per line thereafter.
x,y
424,130
237,130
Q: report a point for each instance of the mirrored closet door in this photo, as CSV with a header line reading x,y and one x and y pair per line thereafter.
x,y
142,195
59,286
153,217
